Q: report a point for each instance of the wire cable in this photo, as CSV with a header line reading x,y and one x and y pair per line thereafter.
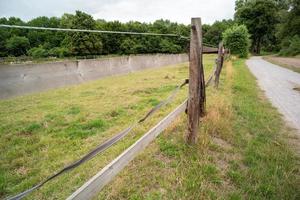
x,y
92,31
100,31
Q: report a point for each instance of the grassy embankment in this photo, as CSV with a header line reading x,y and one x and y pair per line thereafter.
x,y
241,152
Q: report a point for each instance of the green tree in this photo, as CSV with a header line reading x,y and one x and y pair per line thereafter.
x,y
111,42
169,47
237,40
60,44
17,45
261,18
292,48
128,46
213,34
84,43
4,35
38,37
289,27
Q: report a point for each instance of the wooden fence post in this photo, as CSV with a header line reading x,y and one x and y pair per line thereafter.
x,y
196,101
220,61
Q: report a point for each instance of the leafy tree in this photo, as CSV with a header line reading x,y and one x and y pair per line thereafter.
x,y
260,17
168,47
60,44
15,31
213,34
38,37
84,43
111,42
293,47
290,25
17,45
128,46
237,40
4,35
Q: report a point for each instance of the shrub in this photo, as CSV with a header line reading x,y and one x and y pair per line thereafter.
x,y
292,47
38,52
59,52
237,40
17,45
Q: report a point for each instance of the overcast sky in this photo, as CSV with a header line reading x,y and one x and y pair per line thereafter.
x,y
123,10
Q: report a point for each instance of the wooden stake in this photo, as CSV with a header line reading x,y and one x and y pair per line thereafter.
x,y
219,64
196,102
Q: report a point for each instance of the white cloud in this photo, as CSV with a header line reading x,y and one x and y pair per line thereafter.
x,y
123,10
180,11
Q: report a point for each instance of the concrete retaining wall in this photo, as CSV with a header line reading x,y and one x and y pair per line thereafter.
x,y
29,78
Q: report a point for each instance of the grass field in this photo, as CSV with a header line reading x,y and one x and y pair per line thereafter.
x,y
240,154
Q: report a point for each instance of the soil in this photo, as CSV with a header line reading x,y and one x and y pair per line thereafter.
x,y
293,62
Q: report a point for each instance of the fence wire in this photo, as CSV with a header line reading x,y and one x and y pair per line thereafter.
x,y
92,31
100,31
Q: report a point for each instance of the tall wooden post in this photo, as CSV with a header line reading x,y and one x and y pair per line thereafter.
x,y
220,61
196,102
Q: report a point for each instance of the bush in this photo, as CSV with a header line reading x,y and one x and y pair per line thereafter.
x,y
237,40
59,52
38,52
17,45
292,47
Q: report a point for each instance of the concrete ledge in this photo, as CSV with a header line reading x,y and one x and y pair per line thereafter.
x,y
23,79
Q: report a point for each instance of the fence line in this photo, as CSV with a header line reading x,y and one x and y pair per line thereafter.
x,y
196,106
102,147
89,189
97,182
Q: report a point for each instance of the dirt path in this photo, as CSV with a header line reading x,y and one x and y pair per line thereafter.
x,y
295,62
282,87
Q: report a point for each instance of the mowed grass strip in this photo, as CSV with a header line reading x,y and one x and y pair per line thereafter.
x,y
241,153
42,133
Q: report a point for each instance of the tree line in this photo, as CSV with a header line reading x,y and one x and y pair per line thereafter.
x,y
258,25
43,43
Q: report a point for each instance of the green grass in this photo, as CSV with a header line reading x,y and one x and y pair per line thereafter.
x,y
41,133
271,168
241,152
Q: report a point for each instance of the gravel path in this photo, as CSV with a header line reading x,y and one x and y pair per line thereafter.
x,y
282,87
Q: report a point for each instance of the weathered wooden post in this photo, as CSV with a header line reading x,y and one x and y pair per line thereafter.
x,y
196,101
220,61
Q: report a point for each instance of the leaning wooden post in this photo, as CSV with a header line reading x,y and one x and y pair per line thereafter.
x,y
196,101
220,60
